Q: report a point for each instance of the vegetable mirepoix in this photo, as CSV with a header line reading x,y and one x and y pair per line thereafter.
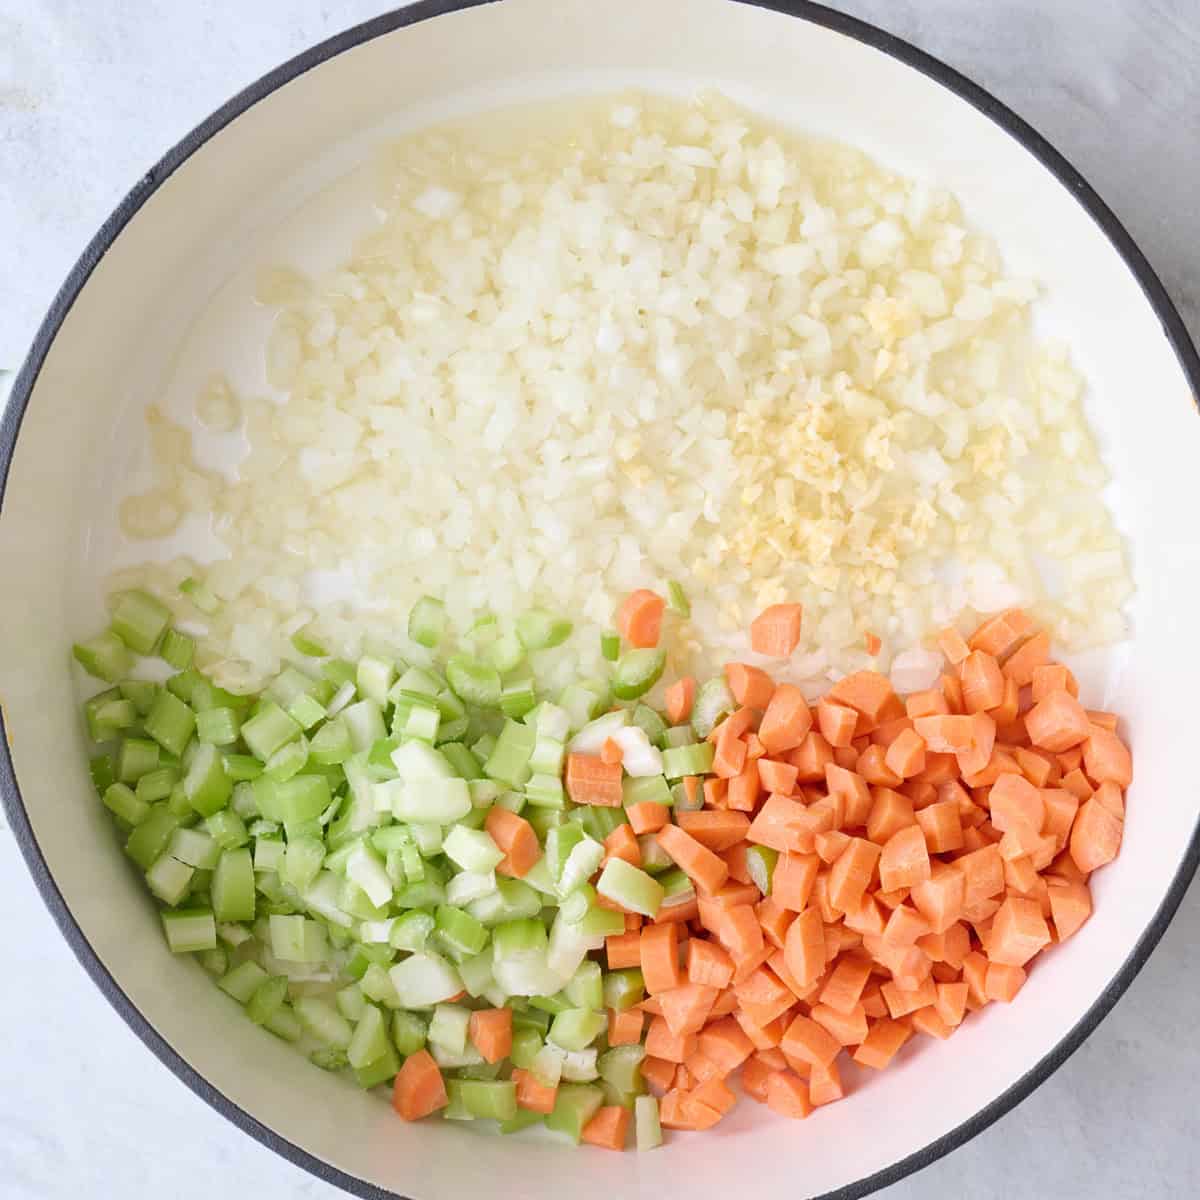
x,y
484,903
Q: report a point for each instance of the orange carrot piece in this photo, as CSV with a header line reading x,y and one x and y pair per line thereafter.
x,y
929,703
623,950
686,1008
662,1043
1057,722
740,933
905,925
951,687
1023,662
1018,932
850,876
700,864
872,644
725,1043
929,1021
941,825
491,1033
786,721
830,844
763,997
1014,802
609,1128
804,947
742,793
647,816
774,920
532,1095
775,632
853,791
679,698
872,766
870,694
951,1002
419,1088
754,1080
751,686
708,963
982,682
1003,981
1002,634
811,1043
1106,758
625,1028
658,1072
639,619
1095,836
715,790
847,1029
1070,906
787,1094
844,987
776,776
691,789
836,722
953,645
590,780
947,734
940,898
906,755
891,812
984,871
811,758
792,882
902,1001
622,843
516,837
659,958
1053,677
717,829
882,1043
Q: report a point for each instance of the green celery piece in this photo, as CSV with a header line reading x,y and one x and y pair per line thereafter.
x,y
170,722
200,595
206,784
623,989
473,681
370,1041
123,803
585,989
323,1021
409,1032
427,622
460,932
136,757
150,837
523,1120
269,730
713,702
509,760
382,1070
525,1044
577,1028
103,773
465,764
267,998
331,744
233,886
495,1100
610,645
649,721
517,699
104,657
218,726
645,787
574,1106
411,931
243,981
169,879
621,1066
177,649
532,1019
304,643
646,1122
505,653
189,930
637,672
227,829
630,887
760,866
139,620
157,785
141,692
693,759
542,630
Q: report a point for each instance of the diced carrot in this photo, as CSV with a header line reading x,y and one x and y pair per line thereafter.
x,y
739,723
743,788
887,732
984,871
763,1036
872,644
930,703
787,1094
982,743
1053,677
854,792
1023,662
1005,714
735,860
847,1029
1003,981
1106,758
905,925
590,780
611,752
700,864
662,1043
830,844
516,837
1019,931
623,950
741,933
1014,801
891,811
715,791
419,1089
734,894
764,997
725,1043
533,1095
953,645
659,958
1070,906
751,686
873,1002
639,619
609,1128
792,882
775,632
836,722
850,876
708,963
658,1072
774,920
870,694
844,988
1076,782
825,1085
686,1008
625,1028
491,1032
1035,765
691,789
929,1021
904,860
846,757
811,757
906,755
777,825
776,776
622,843
1095,836
806,1040
647,816
1002,634
951,1002
872,766
902,1001
882,1043
717,829
804,947
951,687
982,682
941,825
679,698
786,721
702,1068
726,1004
754,748
672,1111
754,1080
1057,722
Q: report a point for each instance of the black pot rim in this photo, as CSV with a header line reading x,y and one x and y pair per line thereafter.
x,y
424,10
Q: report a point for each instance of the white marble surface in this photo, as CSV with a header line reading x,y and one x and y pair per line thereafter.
x,y
90,95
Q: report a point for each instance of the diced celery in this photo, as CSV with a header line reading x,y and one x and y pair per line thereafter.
x,y
377,985
141,692
409,1032
382,1070
427,622
637,672
370,1039
104,656
576,1028
323,1021
373,679
215,960
157,785
201,595
177,649
411,931
517,699
464,763
545,791
525,1045
602,922
760,866
135,757
630,887
423,980
242,768
574,1106
269,730
713,702
139,620
610,645
298,939
473,681
693,759
331,745
149,838
206,784
647,787
287,761
548,755
623,989
509,760
542,630
512,899
471,849
504,653
585,988
189,930
195,848
243,981
621,1066
232,887
268,998
646,1123
428,801
448,1027
459,932
122,802
494,1100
